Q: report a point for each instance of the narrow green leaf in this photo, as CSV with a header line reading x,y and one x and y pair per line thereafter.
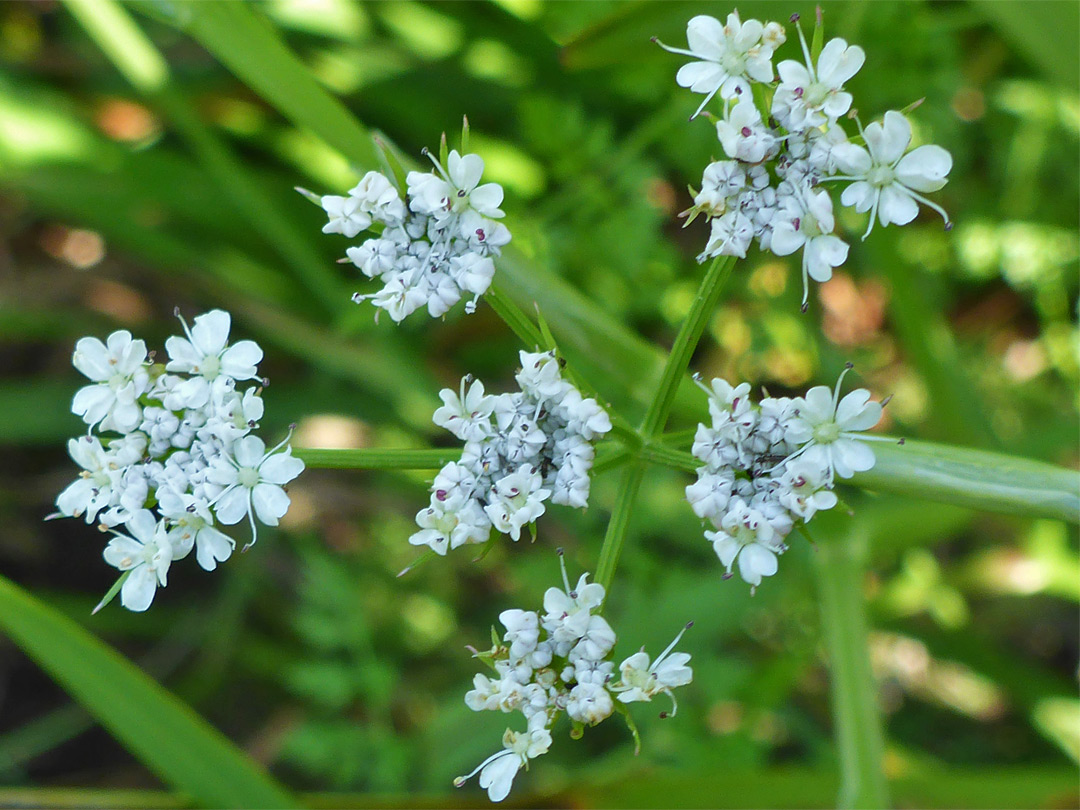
x,y
173,741
113,591
976,478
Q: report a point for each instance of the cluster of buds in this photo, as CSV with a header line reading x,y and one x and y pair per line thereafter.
x,y
169,453
783,138
771,465
521,449
560,661
432,242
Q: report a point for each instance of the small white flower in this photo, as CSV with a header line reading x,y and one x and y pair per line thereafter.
x,y
522,631
641,681
516,500
118,366
709,495
589,703
447,525
806,221
888,182
206,354
192,523
804,488
730,235
567,611
810,96
147,554
345,215
828,428
745,534
93,490
497,772
730,56
743,135
466,415
253,482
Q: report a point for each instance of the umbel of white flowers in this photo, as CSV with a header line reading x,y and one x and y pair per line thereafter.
x,y
772,465
169,453
521,449
560,661
781,152
431,248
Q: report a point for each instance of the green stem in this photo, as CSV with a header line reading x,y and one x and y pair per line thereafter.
x,y
617,528
368,459
685,343
667,457
839,564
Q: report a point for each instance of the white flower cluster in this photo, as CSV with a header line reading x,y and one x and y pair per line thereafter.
x,y
783,138
769,465
521,450
433,248
174,438
560,661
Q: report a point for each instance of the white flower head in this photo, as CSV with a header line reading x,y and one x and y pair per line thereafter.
x,y
745,534
589,703
345,215
743,134
466,415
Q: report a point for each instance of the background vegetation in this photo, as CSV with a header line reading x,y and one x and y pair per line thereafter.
x,y
138,174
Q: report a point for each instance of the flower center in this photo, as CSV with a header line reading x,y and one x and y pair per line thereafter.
x,y
210,367
826,433
118,381
247,477
815,94
733,64
880,176
810,226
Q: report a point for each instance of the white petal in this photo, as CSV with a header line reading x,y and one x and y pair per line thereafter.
x,y
860,194
249,451
240,360
856,412
838,62
92,359
852,159
851,456
210,332
465,171
498,775
785,239
700,77
232,507
924,169
823,254
270,502
726,549
138,589
891,138
704,35
756,562
896,206
281,468
212,547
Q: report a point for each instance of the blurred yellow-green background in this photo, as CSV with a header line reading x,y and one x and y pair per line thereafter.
x,y
308,651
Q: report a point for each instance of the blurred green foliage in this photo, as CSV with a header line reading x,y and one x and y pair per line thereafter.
x,y
117,205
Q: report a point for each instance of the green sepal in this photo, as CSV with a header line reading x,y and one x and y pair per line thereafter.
x,y
113,591
624,710
310,196
819,37
545,330
577,730
464,134
444,150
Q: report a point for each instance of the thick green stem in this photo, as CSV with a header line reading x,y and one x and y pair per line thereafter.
x,y
839,564
367,459
615,536
685,343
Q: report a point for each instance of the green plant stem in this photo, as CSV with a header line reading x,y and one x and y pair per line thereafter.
x,y
839,565
667,457
368,459
685,342
619,524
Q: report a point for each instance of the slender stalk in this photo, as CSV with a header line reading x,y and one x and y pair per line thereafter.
x,y
668,457
685,343
368,459
615,536
839,565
